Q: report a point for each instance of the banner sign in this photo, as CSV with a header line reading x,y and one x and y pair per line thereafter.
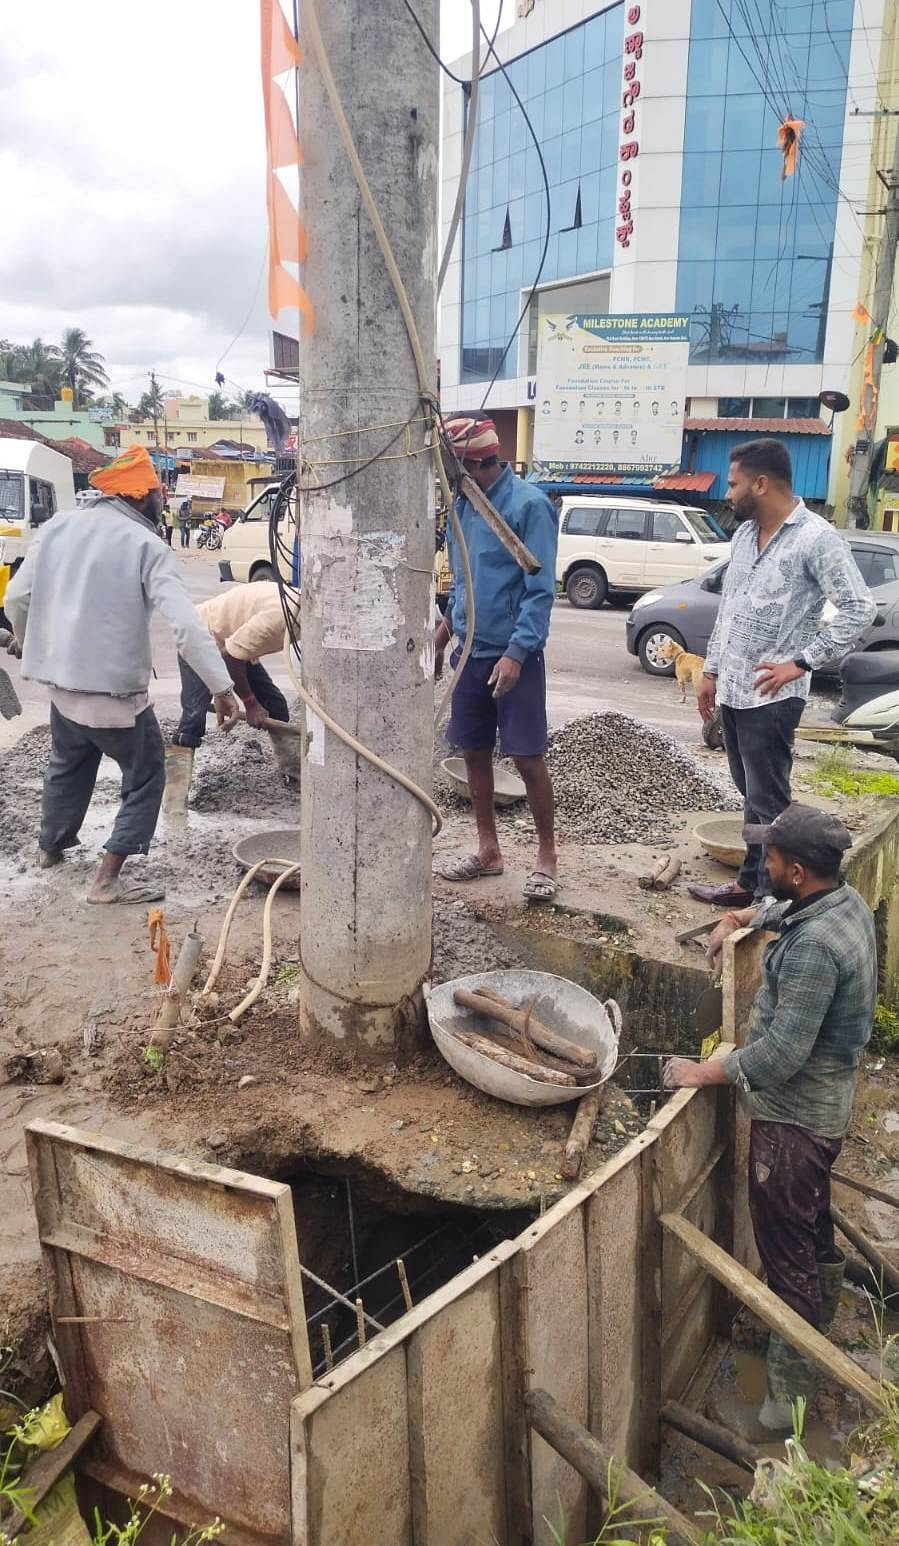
x,y
610,392
200,488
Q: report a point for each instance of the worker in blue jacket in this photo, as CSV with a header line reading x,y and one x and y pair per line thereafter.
x,y
503,685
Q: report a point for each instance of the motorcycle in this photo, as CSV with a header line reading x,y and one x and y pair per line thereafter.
x,y
211,534
867,715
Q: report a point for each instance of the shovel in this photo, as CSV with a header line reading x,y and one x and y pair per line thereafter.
x,y
9,698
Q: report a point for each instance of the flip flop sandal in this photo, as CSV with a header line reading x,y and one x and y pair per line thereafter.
x,y
134,892
540,887
469,868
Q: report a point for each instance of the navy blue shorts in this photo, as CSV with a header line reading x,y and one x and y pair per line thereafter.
x,y
520,716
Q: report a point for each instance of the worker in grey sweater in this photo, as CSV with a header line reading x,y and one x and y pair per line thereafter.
x,y
80,609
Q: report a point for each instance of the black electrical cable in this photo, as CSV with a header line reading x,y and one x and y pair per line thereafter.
x,y
491,50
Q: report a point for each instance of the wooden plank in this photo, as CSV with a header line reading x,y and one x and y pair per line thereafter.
x,y
597,1463
48,1468
454,1374
650,1308
613,1278
555,1308
703,1431
698,1331
865,1187
126,1235
350,1456
774,1312
516,1432
741,963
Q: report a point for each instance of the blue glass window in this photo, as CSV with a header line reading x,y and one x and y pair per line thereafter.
x,y
571,88
755,250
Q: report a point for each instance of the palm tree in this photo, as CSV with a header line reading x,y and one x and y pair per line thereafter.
x,y
116,402
82,368
152,403
39,365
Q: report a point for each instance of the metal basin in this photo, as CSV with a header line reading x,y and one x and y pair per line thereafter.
x,y
561,1005
722,838
507,786
282,846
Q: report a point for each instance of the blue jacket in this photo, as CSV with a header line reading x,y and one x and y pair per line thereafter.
x,y
512,609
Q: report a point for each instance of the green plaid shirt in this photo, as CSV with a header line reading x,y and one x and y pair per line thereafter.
x,y
812,1015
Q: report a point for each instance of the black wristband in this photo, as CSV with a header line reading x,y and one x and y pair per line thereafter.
x,y
801,662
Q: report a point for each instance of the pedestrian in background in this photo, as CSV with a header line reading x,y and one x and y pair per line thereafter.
x,y
167,516
796,1075
184,514
503,685
785,563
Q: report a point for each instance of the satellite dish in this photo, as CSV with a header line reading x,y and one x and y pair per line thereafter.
x,y
837,402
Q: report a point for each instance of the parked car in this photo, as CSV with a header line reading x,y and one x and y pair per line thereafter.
x,y
686,613
611,543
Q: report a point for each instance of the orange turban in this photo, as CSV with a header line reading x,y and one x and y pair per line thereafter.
x,y
132,474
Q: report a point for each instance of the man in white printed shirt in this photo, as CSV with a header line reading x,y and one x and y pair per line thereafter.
x,y
785,563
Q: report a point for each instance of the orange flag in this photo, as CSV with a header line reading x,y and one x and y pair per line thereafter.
x,y
287,238
861,313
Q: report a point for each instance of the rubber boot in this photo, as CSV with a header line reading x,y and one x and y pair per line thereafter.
x,y
287,755
789,1376
179,766
830,1277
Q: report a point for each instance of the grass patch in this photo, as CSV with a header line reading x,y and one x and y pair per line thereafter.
x,y
835,774
885,1036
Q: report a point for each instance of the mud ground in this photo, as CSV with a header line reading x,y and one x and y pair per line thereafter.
x,y
80,979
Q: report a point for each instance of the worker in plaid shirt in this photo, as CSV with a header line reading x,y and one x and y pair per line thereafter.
x,y
785,563
809,1021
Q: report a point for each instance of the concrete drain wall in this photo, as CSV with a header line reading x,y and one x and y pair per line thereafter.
x,y
420,1437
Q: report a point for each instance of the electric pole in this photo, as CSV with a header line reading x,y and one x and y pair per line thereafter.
x,y
154,397
857,503
367,532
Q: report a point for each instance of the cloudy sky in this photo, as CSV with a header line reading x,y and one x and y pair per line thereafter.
x,y
132,167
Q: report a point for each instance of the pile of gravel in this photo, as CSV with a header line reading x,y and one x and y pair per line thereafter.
x,y
617,781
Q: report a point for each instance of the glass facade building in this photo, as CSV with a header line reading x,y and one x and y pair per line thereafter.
x,y
571,87
755,252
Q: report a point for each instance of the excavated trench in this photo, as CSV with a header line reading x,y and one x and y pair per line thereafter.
x,y
369,1252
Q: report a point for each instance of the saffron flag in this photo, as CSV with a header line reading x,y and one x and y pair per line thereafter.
x,y
287,239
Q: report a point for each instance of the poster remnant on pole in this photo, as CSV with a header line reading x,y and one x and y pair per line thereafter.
x,y
610,392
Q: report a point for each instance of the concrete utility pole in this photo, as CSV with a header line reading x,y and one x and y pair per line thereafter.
x,y
155,394
857,504
367,544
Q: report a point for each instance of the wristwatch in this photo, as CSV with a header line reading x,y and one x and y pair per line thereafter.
x,y
801,662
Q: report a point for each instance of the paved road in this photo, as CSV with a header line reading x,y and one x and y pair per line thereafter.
x,y
589,668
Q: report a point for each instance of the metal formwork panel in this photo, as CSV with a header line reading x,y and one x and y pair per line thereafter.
x,y
178,1316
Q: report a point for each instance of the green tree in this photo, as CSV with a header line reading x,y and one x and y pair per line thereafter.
x,y
82,368
116,402
40,366
151,404
218,408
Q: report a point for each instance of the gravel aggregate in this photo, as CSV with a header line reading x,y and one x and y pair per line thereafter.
x,y
617,780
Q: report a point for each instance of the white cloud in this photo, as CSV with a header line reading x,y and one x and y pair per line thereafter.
x,y
132,167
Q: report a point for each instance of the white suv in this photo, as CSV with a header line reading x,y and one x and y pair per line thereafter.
x,y
609,542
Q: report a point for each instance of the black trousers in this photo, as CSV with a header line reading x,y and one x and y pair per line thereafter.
x,y
75,755
759,746
789,1200
196,701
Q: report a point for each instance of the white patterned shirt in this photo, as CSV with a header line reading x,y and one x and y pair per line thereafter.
x,y
771,605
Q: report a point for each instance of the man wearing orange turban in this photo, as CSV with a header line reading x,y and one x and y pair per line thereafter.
x,y
80,608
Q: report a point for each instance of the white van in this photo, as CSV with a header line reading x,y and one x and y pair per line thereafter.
x,y
608,542
35,482
246,554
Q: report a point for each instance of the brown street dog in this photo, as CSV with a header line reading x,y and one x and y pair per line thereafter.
x,y
687,668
